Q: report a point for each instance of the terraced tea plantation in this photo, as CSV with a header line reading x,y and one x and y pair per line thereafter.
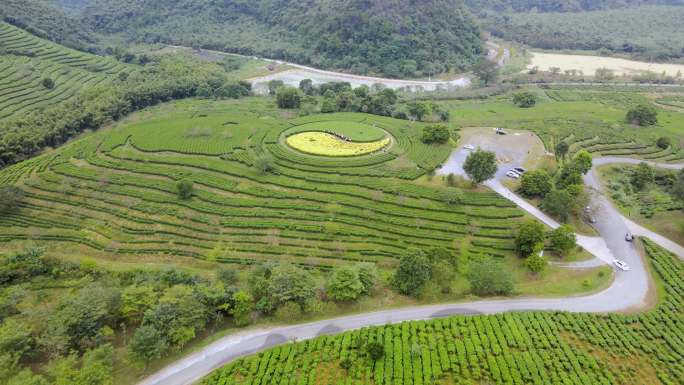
x,y
513,348
26,61
114,193
586,118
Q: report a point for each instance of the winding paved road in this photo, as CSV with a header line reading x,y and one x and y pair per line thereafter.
x,y
629,290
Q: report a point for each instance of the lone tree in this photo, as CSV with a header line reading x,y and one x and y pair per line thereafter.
x,y
264,163
559,203
480,165
288,97
486,70
243,306
274,86
536,183
642,115
435,133
524,99
663,142
48,83
306,85
375,350
582,162
10,197
536,263
185,189
413,272
489,277
530,235
678,186
642,176
562,149
345,284
563,239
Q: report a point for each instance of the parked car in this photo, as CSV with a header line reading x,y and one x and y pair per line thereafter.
x,y
592,219
469,147
519,170
500,131
513,174
622,265
629,237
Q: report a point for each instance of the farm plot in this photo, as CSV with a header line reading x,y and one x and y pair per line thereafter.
x,y
585,118
26,61
354,131
114,194
325,144
513,348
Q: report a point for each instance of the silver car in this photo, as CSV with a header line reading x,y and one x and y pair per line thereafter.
x,y
622,265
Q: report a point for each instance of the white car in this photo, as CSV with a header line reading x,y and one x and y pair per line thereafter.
x,y
622,265
513,174
469,147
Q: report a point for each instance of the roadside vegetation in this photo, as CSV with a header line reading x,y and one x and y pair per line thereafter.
x,y
650,196
522,347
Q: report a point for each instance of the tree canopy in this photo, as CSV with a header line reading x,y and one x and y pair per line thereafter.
x,y
642,115
480,165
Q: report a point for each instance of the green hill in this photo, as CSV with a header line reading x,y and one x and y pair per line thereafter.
x,y
642,29
393,38
36,73
47,20
316,212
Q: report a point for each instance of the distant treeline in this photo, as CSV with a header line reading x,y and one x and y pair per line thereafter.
x,y
652,33
561,5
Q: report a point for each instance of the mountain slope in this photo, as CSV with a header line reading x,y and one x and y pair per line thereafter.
x,y
48,21
37,73
393,38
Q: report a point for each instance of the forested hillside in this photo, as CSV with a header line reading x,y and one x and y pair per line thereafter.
x,y
561,5
652,33
393,38
644,29
48,21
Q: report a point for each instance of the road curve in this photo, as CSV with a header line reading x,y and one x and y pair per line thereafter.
x,y
629,290
300,72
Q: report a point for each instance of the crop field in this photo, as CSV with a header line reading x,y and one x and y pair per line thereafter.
x,y
322,143
354,131
113,193
592,120
25,60
512,348
672,101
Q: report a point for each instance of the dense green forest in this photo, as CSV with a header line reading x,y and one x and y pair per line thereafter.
x,y
362,36
652,33
560,5
48,21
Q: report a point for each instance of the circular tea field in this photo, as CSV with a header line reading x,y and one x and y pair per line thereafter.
x,y
337,138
